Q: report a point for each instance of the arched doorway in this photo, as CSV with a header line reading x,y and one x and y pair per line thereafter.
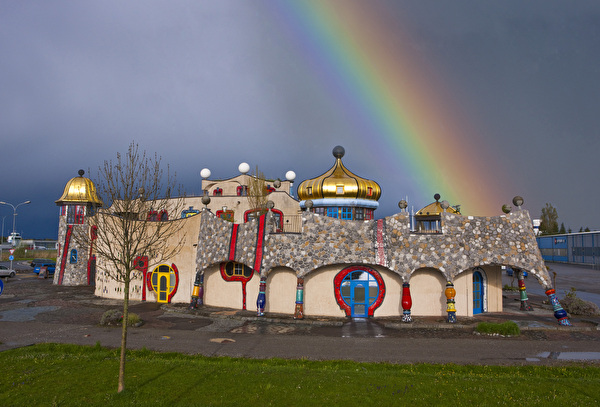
x,y
359,291
478,291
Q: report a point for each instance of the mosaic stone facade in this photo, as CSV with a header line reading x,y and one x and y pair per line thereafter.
x,y
464,242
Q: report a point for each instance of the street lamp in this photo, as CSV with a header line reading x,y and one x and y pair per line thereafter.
x,y
14,213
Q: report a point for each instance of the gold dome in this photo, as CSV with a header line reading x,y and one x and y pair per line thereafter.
x,y
80,190
339,182
435,208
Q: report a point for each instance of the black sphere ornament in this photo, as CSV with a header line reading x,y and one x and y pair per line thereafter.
x,y
437,197
506,208
518,201
338,151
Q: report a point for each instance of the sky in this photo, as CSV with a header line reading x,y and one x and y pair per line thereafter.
x,y
478,101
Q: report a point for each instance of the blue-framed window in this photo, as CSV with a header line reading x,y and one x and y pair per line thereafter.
x,y
73,256
333,212
346,213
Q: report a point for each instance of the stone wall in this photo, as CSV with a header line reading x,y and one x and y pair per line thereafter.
x,y
465,242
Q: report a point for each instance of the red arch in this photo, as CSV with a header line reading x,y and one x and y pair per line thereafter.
x,y
337,283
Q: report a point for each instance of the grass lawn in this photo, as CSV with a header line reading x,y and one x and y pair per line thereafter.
x,y
69,375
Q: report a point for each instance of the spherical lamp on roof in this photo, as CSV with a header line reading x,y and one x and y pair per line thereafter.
x,y
402,204
277,183
81,172
506,208
437,197
338,151
205,173
445,205
244,168
518,201
308,204
270,204
290,176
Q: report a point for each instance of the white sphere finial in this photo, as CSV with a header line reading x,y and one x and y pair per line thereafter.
x,y
205,173
244,168
290,176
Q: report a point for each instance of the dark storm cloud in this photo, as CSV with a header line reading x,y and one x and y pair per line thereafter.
x,y
215,83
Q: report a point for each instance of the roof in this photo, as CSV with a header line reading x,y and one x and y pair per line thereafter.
x,y
339,182
80,190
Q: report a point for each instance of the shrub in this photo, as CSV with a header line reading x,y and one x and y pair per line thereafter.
x,y
509,288
576,306
504,328
114,317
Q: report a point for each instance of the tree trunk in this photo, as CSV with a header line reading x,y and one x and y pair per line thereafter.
x,y
124,336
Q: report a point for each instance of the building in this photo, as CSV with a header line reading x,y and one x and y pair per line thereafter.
x,y
326,255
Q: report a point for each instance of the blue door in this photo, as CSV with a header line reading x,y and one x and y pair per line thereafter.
x,y
477,293
359,290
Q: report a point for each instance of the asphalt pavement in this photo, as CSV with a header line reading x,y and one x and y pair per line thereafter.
x,y
33,310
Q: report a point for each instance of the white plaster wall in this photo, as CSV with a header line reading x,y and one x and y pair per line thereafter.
x,y
228,294
392,302
281,291
427,292
319,297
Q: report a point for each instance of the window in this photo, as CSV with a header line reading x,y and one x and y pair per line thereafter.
x,y
152,216
319,211
73,257
256,213
369,191
359,214
333,212
242,190
346,213
164,281
309,190
75,214
189,212
368,214
237,269
218,192
227,215
339,190
431,224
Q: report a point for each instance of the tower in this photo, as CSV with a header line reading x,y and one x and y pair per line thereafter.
x,y
339,193
75,260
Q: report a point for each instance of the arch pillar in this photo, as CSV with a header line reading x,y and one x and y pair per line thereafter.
x,y
525,306
450,293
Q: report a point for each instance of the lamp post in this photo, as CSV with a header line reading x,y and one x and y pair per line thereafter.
x,y
14,221
14,211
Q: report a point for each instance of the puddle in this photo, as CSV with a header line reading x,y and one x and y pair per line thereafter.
x,y
580,356
24,314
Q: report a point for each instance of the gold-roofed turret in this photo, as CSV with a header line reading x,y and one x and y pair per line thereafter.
x,y
339,182
437,207
80,190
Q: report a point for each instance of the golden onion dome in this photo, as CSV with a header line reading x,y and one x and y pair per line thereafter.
x,y
80,190
339,182
437,207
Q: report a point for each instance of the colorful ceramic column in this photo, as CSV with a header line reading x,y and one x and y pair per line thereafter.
x,y
450,306
559,312
406,303
523,292
262,298
198,292
299,313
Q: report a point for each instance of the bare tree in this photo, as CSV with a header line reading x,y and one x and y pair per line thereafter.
x,y
135,224
258,192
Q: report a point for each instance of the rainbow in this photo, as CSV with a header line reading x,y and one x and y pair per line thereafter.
x,y
363,58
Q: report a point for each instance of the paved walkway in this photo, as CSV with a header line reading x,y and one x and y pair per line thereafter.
x,y
33,310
